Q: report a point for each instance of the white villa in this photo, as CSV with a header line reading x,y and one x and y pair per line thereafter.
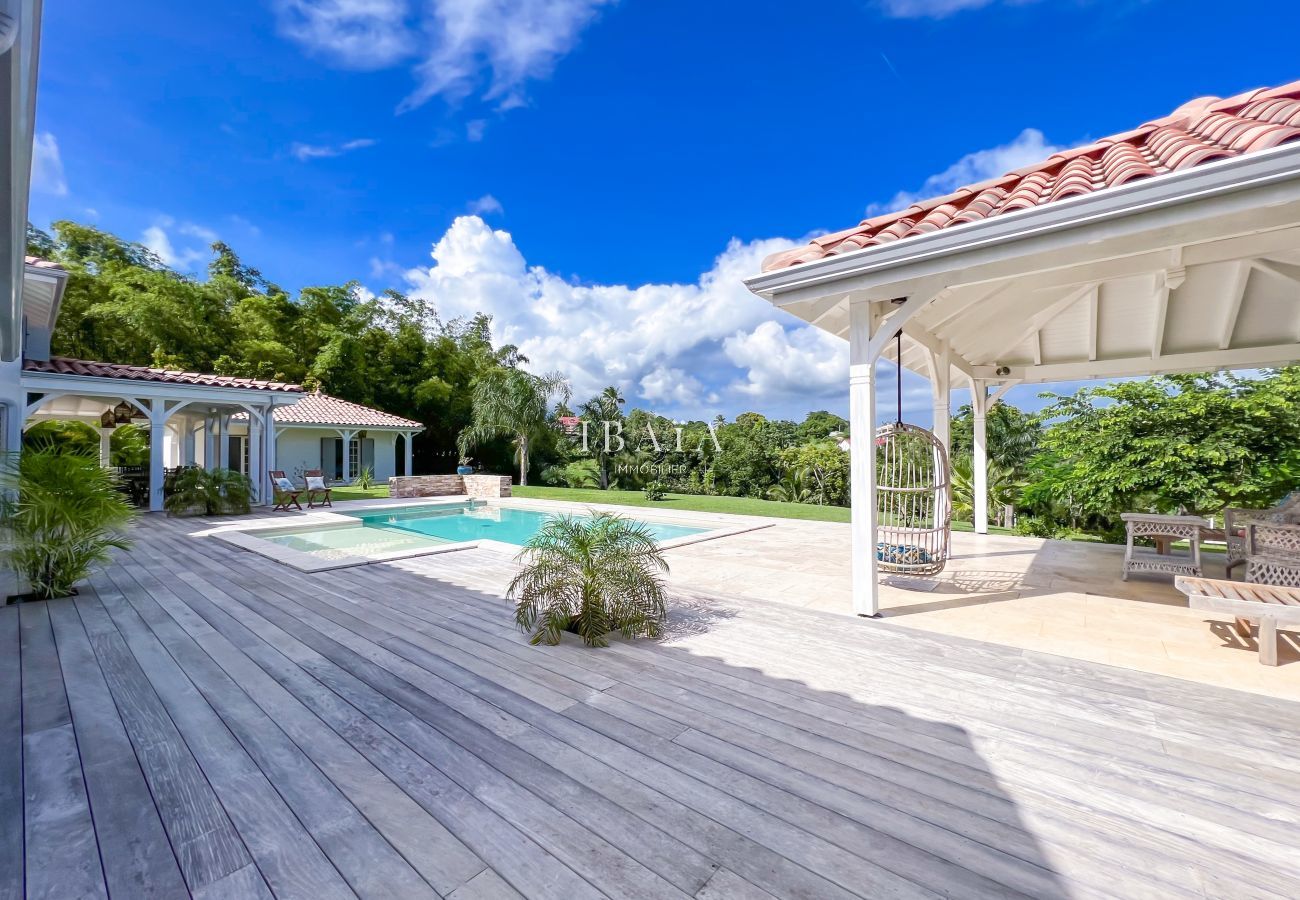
x,y
248,425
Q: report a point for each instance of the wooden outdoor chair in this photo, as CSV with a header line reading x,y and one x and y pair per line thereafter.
x,y
314,492
1269,605
283,492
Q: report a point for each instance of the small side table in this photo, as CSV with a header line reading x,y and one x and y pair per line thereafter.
x,y
1163,531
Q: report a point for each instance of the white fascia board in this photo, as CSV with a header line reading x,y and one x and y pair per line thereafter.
x,y
1145,366
320,426
1008,235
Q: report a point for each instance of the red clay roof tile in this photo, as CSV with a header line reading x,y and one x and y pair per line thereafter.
x,y
1199,131
62,365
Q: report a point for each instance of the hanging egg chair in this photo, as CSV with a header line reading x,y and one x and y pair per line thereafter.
x,y
913,496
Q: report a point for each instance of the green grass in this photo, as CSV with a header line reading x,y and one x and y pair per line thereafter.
x,y
343,492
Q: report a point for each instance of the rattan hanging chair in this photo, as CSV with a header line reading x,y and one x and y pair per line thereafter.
x,y
913,497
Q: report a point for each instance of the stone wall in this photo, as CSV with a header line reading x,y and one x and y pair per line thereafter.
x,y
449,486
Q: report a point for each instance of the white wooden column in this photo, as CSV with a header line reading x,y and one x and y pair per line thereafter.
x,y
256,474
209,443
105,446
223,440
941,388
187,441
157,434
269,438
980,460
862,459
407,438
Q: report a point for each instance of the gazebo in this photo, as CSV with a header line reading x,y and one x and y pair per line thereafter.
x,y
1174,247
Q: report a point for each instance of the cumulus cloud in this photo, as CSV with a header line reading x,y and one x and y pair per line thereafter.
x,y
937,9
485,205
47,166
1030,146
688,349
459,47
158,238
475,129
305,152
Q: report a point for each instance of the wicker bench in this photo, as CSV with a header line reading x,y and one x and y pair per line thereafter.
x,y
1265,604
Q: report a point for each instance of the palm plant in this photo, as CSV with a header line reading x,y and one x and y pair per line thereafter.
x,y
513,403
1003,489
209,492
365,478
63,513
590,576
792,488
607,406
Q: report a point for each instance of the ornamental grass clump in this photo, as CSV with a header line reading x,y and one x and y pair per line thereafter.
x,y
590,576
62,513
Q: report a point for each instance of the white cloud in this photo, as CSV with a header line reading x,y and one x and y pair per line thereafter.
x,y
676,346
474,130
461,47
47,166
936,9
305,152
485,205
158,238
1030,146
357,34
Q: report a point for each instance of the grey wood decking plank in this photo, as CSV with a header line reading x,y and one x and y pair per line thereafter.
x,y
355,712
11,757
205,843
426,844
760,861
286,855
136,854
62,852
371,866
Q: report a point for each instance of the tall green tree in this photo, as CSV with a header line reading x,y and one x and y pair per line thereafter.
x,y
605,407
512,403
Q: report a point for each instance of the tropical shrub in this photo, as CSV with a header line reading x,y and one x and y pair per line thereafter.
x,y
365,479
792,488
655,490
63,513
1003,491
590,576
1034,526
209,492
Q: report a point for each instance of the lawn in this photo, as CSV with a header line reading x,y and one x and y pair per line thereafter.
x,y
346,492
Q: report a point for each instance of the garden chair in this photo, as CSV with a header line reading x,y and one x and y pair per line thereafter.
x,y
1268,605
284,492
1240,536
317,486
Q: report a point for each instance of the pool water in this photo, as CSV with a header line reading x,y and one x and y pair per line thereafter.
x,y
382,532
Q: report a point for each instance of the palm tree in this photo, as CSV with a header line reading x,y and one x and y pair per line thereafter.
x,y
792,488
63,513
1003,490
590,576
511,403
604,407
208,492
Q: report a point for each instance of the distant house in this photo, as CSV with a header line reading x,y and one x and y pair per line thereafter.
x,y
569,424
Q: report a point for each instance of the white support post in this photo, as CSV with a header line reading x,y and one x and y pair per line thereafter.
x,y
157,434
105,446
941,387
862,459
187,442
209,443
269,438
979,406
408,437
256,474
223,441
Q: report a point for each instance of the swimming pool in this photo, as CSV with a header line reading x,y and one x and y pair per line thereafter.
x,y
406,530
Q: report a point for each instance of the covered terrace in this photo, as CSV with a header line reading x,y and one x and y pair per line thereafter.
x,y
1173,247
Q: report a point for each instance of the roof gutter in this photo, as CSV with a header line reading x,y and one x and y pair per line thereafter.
x,y
1211,180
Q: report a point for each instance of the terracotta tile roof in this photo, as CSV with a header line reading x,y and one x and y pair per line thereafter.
x,y
1199,131
38,263
62,365
322,409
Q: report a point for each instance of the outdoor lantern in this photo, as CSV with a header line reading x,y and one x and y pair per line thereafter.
x,y
122,412
107,419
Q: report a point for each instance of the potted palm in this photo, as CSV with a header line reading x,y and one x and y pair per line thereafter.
x,y
63,513
209,492
590,576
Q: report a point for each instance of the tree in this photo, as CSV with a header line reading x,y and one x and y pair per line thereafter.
x,y
605,407
511,403
1178,442
1012,435
826,468
1003,490
820,425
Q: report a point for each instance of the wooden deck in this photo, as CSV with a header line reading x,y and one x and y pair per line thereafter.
x,y
202,721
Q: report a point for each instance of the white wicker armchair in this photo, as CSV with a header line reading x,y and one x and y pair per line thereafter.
x,y
1281,531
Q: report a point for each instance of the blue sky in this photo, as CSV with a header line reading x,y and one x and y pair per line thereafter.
x,y
598,175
